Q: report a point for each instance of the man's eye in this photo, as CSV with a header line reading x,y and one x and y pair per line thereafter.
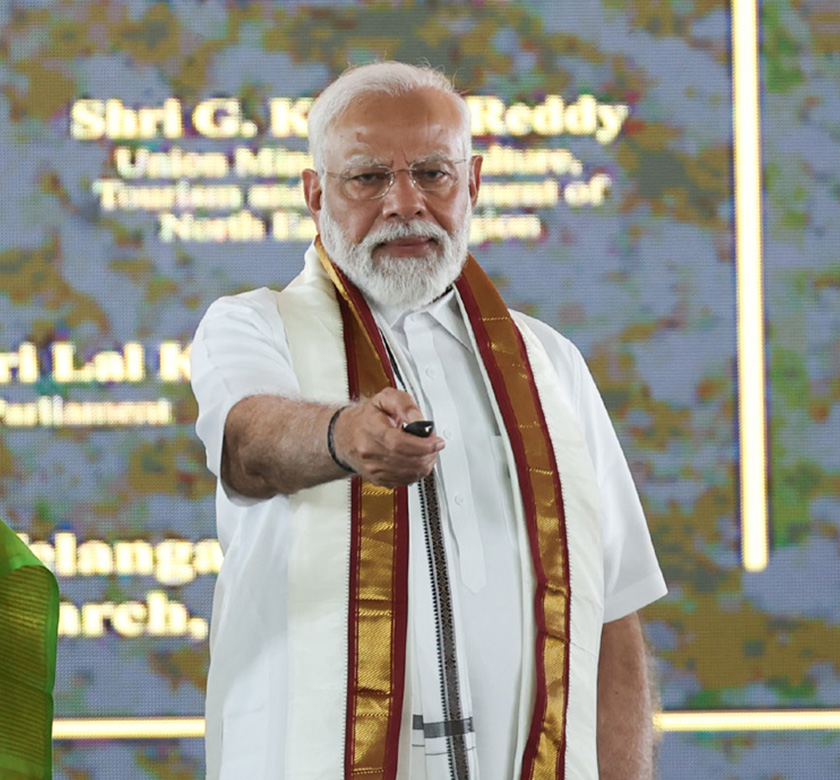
x,y
365,178
429,175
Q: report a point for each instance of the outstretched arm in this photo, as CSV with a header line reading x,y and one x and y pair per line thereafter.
x,y
625,728
278,445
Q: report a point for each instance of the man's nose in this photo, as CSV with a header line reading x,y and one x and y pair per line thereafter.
x,y
405,199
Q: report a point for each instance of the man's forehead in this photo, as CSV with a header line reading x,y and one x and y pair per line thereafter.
x,y
418,124
431,156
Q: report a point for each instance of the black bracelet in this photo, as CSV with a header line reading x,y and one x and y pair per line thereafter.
x,y
331,443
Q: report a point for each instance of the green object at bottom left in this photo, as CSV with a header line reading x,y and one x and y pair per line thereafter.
x,y
28,637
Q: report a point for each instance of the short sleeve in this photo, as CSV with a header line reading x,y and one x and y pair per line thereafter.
x,y
239,350
632,577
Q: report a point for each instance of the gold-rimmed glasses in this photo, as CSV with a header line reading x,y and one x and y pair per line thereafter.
x,y
371,182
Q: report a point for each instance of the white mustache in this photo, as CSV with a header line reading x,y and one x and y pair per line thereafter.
x,y
416,228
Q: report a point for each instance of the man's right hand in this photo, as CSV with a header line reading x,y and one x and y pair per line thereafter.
x,y
279,445
368,436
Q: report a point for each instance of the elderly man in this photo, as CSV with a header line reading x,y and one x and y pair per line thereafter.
x,y
395,602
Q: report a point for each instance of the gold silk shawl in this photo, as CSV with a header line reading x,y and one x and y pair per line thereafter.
x,y
377,602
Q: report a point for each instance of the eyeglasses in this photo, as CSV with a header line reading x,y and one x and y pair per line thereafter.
x,y
370,182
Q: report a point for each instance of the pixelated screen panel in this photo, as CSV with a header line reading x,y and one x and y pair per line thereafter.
x,y
152,157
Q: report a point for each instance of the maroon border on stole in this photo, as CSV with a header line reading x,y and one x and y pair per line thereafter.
x,y
355,502
399,564
528,501
362,310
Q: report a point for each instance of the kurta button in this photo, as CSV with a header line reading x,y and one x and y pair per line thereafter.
x,y
431,372
459,500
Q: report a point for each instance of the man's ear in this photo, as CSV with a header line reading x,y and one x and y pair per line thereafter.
x,y
312,192
475,177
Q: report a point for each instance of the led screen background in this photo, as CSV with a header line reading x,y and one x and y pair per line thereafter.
x,y
623,241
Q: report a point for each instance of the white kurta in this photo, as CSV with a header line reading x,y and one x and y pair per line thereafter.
x,y
241,350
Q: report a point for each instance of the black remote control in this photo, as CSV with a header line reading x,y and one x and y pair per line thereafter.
x,y
422,428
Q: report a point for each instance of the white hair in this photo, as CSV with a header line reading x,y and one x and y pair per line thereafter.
x,y
388,78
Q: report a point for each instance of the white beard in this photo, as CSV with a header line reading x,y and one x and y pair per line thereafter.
x,y
399,282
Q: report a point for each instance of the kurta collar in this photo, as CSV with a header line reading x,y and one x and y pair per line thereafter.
x,y
444,310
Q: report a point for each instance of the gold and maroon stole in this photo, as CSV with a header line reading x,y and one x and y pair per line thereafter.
x,y
378,610
379,592
506,362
